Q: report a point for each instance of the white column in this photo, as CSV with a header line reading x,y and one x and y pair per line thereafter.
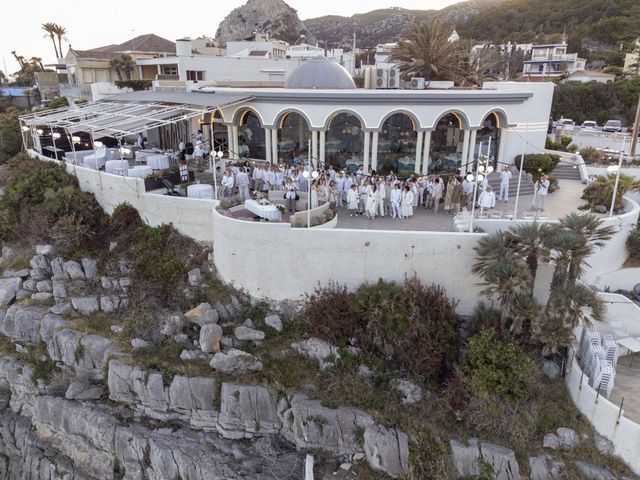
x,y
230,145
323,139
365,159
314,148
501,149
140,72
374,152
465,152
267,145
274,146
236,143
419,141
159,70
425,153
472,151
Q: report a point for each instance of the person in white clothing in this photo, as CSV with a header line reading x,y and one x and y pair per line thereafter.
x,y
140,141
382,195
487,198
269,180
541,189
227,183
242,181
395,201
407,202
353,200
340,187
467,192
505,178
372,201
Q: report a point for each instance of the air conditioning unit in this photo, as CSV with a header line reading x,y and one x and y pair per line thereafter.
x,y
393,78
417,83
381,79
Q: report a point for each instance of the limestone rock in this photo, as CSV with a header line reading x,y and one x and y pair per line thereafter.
x,y
308,424
545,467
74,270
137,343
568,438
274,322
44,286
45,250
58,289
84,391
210,336
364,371
223,313
30,285
594,472
195,277
49,325
550,369
86,305
411,393
57,269
22,294
192,393
131,385
191,355
40,262
24,273
109,303
467,457
202,315
246,411
42,297
61,308
22,323
90,267
551,441
235,362
8,289
321,351
603,444
172,325
249,334
387,450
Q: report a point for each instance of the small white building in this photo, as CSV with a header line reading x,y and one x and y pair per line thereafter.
x,y
586,76
551,61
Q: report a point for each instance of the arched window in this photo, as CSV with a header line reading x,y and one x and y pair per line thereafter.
x,y
344,145
488,138
397,144
251,136
293,138
447,140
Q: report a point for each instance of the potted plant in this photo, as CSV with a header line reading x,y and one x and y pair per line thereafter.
x,y
155,180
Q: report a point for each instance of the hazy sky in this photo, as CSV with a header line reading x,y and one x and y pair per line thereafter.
x,y
91,24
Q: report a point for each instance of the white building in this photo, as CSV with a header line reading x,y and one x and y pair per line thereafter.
x,y
586,76
305,51
552,61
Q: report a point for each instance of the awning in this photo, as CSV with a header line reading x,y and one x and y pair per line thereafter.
x,y
132,113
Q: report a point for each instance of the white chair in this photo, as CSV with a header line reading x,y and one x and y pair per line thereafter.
x,y
618,330
96,160
497,215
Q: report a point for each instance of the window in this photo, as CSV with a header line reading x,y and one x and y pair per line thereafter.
x,y
195,75
170,70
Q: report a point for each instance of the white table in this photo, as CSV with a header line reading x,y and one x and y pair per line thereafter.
x,y
93,162
118,167
200,191
140,171
141,155
158,162
268,212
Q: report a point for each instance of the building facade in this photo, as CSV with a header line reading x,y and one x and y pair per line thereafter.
x,y
552,61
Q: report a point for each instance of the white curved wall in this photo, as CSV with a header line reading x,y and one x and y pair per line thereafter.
x,y
279,262
623,279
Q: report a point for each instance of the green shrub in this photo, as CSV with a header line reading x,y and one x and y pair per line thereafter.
x,y
498,367
600,191
591,155
565,141
10,135
633,244
329,314
134,84
573,148
553,183
59,102
538,163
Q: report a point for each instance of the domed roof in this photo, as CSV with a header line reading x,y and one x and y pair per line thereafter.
x,y
320,73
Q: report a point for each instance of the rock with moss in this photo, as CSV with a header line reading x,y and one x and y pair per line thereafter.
x,y
470,458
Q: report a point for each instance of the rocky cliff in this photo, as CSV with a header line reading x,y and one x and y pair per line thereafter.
x,y
274,17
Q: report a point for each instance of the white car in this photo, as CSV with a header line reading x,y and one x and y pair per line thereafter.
x,y
589,125
567,123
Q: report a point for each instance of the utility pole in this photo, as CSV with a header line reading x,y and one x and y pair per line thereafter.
x,y
634,133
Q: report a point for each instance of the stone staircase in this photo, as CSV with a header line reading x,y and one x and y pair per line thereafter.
x,y
526,185
566,171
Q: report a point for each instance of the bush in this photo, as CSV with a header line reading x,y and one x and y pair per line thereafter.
x,y
341,324
59,102
134,84
10,136
591,155
565,141
633,244
573,148
553,183
600,191
498,367
538,163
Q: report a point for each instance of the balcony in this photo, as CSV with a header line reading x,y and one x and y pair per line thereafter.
x,y
567,57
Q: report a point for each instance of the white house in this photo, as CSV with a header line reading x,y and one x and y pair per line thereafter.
x,y
551,61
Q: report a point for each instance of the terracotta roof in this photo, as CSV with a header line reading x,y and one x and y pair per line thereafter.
x,y
148,43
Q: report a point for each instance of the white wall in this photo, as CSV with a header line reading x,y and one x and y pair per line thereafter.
x,y
280,262
603,415
623,279
620,308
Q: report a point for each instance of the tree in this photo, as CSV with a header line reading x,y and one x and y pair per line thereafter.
x,y
50,29
10,136
27,95
426,52
483,66
60,33
527,241
114,64
127,64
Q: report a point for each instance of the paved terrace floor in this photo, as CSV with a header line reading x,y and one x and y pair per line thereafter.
x,y
627,385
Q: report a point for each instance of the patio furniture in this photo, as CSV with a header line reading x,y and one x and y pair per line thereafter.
x,y
118,167
158,162
78,156
202,190
618,330
141,155
462,221
140,171
96,160
267,212
171,189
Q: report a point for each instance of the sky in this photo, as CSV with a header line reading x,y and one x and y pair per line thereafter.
x,y
91,24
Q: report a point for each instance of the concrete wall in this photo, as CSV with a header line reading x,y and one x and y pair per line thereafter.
x,y
279,262
191,217
603,415
620,308
623,279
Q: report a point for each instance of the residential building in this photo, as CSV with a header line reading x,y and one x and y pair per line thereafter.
x,y
304,50
586,76
504,47
632,60
260,46
551,61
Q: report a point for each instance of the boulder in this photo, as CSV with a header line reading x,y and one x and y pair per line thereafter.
x,y
364,371
109,303
37,274
594,472
133,386
192,393
90,267
30,285
210,336
603,444
86,305
411,393
124,283
61,308
57,269
41,263
551,441
172,325
191,355
467,457
137,343
106,283
44,286
45,250
235,362
24,273
22,294
248,334
223,313
74,270
6,253
21,323
195,277
84,391
8,289
42,297
58,289
551,369
321,351
387,450
568,438
545,467
202,315
274,322
246,411
49,325
309,425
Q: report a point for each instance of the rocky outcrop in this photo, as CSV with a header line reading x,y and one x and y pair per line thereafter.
x,y
467,458
235,362
387,450
545,467
317,349
22,323
247,411
8,289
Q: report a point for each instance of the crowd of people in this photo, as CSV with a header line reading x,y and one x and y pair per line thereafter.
x,y
362,194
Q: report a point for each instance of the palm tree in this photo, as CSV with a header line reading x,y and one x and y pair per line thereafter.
x,y
114,64
482,66
50,29
528,241
426,52
488,250
19,59
60,32
127,63
37,63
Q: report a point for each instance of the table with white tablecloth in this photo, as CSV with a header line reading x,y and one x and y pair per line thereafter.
x,y
141,155
119,167
268,212
202,190
158,162
140,171
93,162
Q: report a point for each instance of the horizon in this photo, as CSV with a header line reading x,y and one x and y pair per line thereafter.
x,y
26,36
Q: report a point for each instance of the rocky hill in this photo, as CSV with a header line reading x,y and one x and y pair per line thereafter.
x,y
267,16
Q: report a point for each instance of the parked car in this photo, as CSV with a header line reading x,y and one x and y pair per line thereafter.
x,y
589,125
612,126
566,123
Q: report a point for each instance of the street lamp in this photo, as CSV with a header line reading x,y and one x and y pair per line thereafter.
x,y
615,169
306,175
213,158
